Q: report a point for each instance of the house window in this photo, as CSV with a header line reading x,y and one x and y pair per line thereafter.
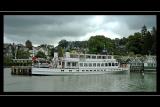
x,y
59,62
106,64
109,64
90,64
102,64
81,64
93,57
116,64
112,64
94,64
98,64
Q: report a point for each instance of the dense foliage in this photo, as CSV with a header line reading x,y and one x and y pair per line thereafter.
x,y
140,43
40,55
29,44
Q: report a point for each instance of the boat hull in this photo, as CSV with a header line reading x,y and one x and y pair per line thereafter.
x,y
48,71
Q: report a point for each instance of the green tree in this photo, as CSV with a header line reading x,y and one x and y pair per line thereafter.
x,y
40,55
134,43
60,52
97,43
144,30
153,34
29,44
7,61
147,43
21,54
63,43
52,52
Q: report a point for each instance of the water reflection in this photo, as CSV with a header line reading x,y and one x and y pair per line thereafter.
x,y
133,82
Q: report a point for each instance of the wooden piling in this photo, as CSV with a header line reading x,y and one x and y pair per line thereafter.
x,y
21,67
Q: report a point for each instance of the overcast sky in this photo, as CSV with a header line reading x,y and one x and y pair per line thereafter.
x,y
50,29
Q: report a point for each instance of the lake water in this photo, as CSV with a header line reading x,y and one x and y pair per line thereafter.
x,y
131,82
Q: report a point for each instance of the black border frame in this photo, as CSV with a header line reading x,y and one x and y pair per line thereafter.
x,y
80,13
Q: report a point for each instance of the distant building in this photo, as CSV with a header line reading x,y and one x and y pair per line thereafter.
x,y
136,65
150,63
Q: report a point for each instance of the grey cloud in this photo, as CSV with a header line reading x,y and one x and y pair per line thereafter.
x,y
50,28
134,22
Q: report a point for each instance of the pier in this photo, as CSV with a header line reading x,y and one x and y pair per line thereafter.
x,y
21,67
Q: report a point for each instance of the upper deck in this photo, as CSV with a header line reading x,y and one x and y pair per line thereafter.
x,y
88,57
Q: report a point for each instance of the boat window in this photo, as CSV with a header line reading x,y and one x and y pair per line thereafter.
x,y
102,64
94,64
106,64
98,64
88,56
112,64
73,63
98,57
81,56
93,57
109,57
90,70
103,57
90,64
85,64
81,64
109,64
94,70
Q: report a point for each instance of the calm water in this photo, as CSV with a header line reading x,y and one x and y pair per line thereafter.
x,y
133,82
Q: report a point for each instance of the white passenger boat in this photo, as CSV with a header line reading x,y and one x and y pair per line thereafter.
x,y
81,64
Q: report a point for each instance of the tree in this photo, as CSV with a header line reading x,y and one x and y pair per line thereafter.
x,y
144,30
40,55
52,52
147,43
153,34
134,43
29,44
21,54
60,52
63,43
7,61
97,43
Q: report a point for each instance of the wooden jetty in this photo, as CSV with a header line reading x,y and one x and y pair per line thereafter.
x,y
21,67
